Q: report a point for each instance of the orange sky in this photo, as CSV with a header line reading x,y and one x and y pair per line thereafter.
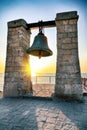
x,y
2,68
50,68
43,10
47,69
83,65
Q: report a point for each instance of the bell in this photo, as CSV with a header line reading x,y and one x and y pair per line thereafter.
x,y
40,46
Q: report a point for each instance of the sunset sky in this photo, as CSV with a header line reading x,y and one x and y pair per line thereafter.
x,y
34,11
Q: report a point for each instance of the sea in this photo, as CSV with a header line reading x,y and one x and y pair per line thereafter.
x,y
39,78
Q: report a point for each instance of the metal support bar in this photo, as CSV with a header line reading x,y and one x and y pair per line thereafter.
x,y
44,24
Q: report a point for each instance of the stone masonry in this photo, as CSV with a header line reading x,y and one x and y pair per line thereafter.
x,y
17,72
68,78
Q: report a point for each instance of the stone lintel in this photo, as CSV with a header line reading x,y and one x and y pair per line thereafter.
x,y
67,15
17,23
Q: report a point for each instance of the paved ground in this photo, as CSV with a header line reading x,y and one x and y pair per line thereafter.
x,y
42,114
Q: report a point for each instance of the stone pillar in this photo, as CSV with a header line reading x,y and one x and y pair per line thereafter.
x,y
68,79
17,80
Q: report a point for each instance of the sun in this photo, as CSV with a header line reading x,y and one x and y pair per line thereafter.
x,y
33,74
42,66
36,65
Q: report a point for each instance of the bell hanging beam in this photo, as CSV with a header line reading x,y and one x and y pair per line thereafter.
x,y
44,24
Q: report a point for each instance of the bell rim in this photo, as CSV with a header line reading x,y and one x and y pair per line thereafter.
x,y
49,52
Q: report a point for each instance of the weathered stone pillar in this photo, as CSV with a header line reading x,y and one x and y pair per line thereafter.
x,y
68,78
17,80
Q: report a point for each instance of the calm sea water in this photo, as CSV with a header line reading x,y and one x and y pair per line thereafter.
x,y
41,78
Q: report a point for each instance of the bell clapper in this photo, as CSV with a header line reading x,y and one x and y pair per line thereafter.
x,y
40,52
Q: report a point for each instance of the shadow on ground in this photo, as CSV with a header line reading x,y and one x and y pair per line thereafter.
x,y
42,114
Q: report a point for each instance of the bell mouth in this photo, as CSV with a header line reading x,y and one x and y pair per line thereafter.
x,y
38,52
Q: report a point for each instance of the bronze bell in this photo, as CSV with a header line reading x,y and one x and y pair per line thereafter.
x,y
40,46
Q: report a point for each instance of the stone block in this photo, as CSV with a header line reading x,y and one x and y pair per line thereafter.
x,y
65,22
61,28
17,23
67,89
69,46
67,15
70,28
62,35
74,40
67,58
66,40
73,21
70,59
67,52
72,34
59,23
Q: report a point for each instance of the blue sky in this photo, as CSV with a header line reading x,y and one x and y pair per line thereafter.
x,y
35,10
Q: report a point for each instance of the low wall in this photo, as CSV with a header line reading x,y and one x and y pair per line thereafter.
x,y
43,90
46,90
84,85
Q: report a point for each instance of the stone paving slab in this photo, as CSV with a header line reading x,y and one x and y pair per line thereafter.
x,y
42,114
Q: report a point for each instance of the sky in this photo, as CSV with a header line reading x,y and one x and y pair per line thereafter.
x,y
35,10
